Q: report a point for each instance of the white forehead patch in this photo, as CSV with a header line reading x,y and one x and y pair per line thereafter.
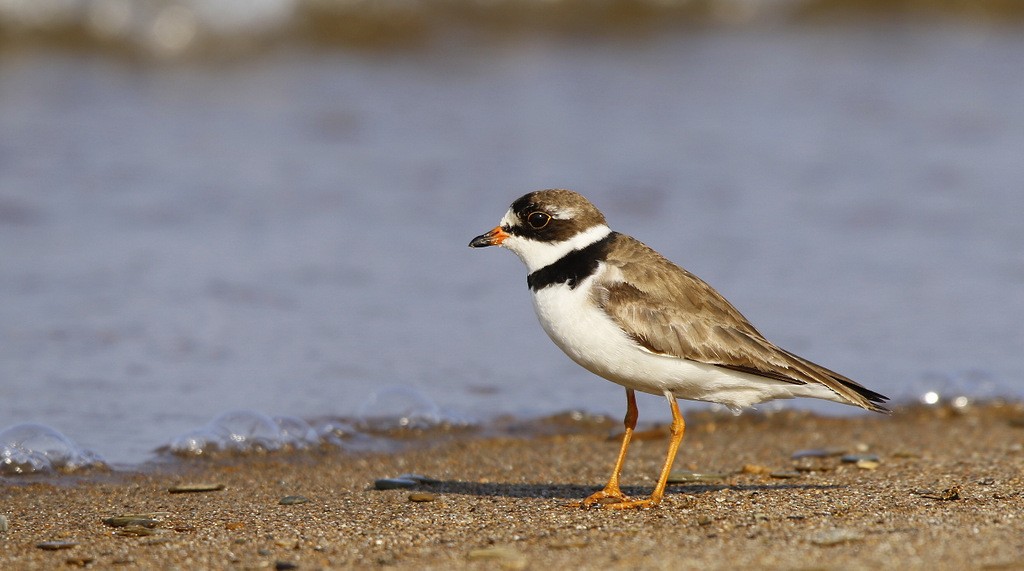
x,y
509,220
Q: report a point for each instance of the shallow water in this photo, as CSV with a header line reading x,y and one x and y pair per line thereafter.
x,y
287,232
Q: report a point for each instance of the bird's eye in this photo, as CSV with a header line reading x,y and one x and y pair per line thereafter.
x,y
538,220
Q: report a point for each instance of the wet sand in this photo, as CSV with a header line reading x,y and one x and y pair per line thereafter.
x,y
947,492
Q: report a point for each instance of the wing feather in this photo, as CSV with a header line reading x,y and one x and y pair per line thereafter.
x,y
680,315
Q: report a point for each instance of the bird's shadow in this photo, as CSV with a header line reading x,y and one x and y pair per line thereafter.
x,y
580,491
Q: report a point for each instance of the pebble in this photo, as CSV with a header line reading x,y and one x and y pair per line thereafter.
x,y
195,488
836,537
79,561
284,565
4,523
952,493
866,464
855,458
756,469
136,520
422,497
57,544
684,476
293,500
809,465
818,452
394,483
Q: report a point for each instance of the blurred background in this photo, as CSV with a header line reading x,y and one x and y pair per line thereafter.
x,y
212,205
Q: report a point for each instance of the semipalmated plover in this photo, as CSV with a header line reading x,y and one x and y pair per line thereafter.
x,y
625,313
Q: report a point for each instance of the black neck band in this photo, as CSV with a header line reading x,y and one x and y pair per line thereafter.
x,y
573,267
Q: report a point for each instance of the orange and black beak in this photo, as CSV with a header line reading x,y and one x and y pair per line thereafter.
x,y
493,238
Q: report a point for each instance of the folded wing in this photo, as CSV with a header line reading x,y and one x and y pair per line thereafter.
x,y
682,316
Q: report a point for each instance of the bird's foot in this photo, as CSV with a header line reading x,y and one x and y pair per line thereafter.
x,y
614,500
608,497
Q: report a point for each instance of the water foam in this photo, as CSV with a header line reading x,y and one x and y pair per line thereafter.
x,y
32,448
245,432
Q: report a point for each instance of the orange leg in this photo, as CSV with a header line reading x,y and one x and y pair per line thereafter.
x,y
611,490
678,428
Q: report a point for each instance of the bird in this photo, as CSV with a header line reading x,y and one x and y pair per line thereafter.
x,y
626,313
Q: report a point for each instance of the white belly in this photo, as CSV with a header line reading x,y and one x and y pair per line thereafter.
x,y
592,339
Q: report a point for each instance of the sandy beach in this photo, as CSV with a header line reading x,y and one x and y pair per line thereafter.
x,y
937,488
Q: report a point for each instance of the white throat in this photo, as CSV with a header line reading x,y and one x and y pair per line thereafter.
x,y
537,255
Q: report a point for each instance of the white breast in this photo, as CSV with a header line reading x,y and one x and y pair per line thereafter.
x,y
592,339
